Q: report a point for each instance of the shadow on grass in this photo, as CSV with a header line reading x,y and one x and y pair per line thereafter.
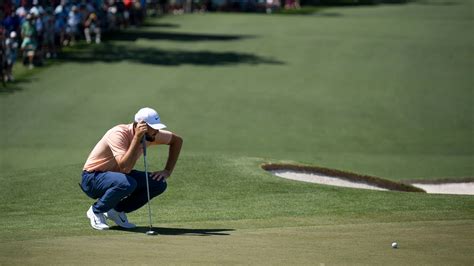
x,y
13,87
158,25
133,35
9,89
176,231
148,55
110,52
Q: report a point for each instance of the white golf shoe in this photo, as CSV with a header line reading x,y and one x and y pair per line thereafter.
x,y
97,220
119,218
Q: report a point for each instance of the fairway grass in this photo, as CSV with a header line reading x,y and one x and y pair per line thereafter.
x,y
376,91
381,91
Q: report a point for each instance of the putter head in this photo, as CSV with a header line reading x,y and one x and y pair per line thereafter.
x,y
150,232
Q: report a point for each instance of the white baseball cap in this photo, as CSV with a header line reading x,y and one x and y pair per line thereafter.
x,y
150,117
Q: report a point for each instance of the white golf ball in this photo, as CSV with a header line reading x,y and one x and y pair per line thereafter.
x,y
394,245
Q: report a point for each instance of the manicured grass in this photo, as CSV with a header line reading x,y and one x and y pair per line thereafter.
x,y
384,91
220,209
436,242
369,93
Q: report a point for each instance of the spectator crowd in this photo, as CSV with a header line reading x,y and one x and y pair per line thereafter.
x,y
36,30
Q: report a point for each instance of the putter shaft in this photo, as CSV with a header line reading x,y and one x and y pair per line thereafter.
x,y
147,185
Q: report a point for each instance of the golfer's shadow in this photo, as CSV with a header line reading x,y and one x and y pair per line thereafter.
x,y
176,231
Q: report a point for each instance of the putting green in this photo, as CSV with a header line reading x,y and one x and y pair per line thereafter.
x,y
420,243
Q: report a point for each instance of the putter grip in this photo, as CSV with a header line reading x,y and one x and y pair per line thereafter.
x,y
144,145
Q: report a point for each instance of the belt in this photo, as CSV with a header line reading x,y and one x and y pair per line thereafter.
x,y
89,172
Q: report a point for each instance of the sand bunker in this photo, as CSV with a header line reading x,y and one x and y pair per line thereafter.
x,y
322,179
344,179
466,188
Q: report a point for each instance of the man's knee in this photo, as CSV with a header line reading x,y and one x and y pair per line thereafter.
x,y
158,187
128,184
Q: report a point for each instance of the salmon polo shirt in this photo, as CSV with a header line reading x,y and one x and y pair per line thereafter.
x,y
116,143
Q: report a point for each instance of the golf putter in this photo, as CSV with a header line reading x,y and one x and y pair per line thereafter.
x,y
149,232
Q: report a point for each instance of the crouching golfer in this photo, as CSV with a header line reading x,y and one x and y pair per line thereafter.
x,y
108,174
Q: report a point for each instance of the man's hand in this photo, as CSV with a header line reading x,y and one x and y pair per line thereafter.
x,y
140,130
160,175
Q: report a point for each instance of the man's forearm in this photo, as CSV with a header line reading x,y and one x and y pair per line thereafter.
x,y
127,162
173,154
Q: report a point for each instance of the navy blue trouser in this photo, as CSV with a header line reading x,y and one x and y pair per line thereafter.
x,y
122,192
